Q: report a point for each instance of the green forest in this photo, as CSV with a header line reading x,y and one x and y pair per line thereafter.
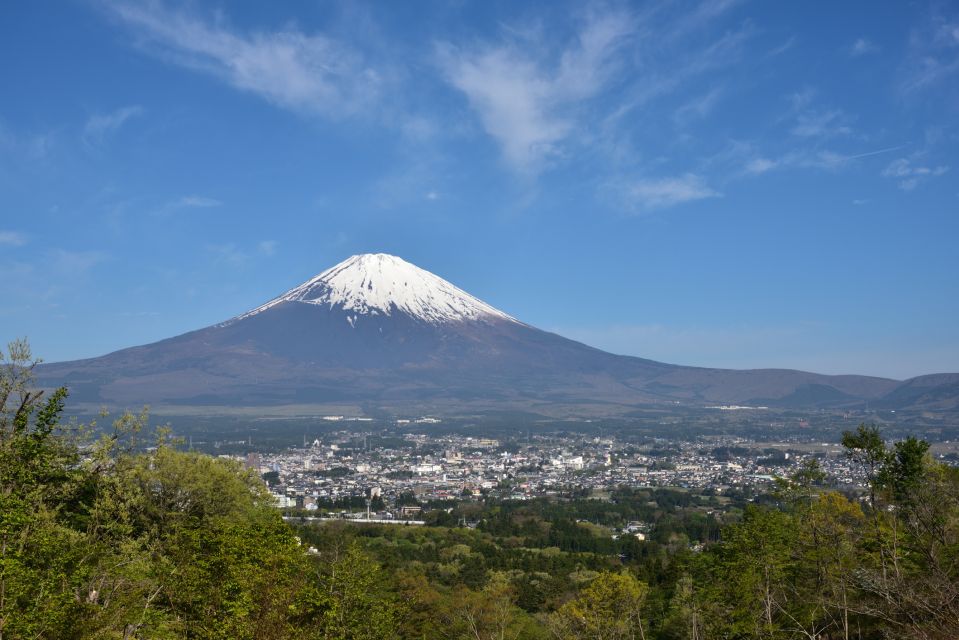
x,y
105,534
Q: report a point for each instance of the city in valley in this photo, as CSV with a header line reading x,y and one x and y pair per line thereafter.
x,y
395,474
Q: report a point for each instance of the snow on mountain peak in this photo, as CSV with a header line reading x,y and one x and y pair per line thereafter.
x,y
380,284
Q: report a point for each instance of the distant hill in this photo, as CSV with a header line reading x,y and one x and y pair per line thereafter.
x,y
935,392
376,333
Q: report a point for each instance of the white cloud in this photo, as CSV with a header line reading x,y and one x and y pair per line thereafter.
x,y
699,107
514,104
824,159
99,126
758,166
862,47
22,146
658,193
197,201
192,201
685,62
909,175
267,247
817,124
933,55
544,100
12,238
802,99
527,104
291,69
783,48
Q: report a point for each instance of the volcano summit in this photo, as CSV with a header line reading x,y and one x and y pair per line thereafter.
x,y
376,333
379,284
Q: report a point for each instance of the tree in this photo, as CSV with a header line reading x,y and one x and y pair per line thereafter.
x,y
423,615
801,488
905,469
918,596
349,601
38,479
827,558
685,618
226,565
866,447
753,569
100,540
489,614
609,608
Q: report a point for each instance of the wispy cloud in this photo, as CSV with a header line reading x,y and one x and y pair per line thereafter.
x,y
933,54
697,18
542,102
699,107
228,254
862,47
197,201
303,72
805,159
908,174
761,165
187,202
525,97
807,119
99,126
783,48
659,193
819,124
232,255
684,65
23,146
12,238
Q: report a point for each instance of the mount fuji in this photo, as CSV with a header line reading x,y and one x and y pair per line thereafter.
x,y
376,333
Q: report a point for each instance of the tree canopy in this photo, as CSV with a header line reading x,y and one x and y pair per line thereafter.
x,y
102,536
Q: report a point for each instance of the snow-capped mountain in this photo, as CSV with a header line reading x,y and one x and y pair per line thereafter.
x,y
381,284
376,333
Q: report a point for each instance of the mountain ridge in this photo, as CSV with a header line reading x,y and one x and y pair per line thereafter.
x,y
379,333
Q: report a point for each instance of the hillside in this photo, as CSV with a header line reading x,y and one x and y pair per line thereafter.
x,y
376,333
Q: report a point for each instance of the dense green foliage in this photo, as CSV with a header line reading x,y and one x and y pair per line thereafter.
x,y
102,538
804,562
98,540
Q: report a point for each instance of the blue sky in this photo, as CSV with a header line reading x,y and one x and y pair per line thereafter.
x,y
736,184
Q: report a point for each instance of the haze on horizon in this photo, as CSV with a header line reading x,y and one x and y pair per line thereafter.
x,y
731,184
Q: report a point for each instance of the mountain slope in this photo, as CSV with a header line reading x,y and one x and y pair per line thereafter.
x,y
381,284
378,333
934,392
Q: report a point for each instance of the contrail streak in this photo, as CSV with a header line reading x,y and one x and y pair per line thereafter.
x,y
876,153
